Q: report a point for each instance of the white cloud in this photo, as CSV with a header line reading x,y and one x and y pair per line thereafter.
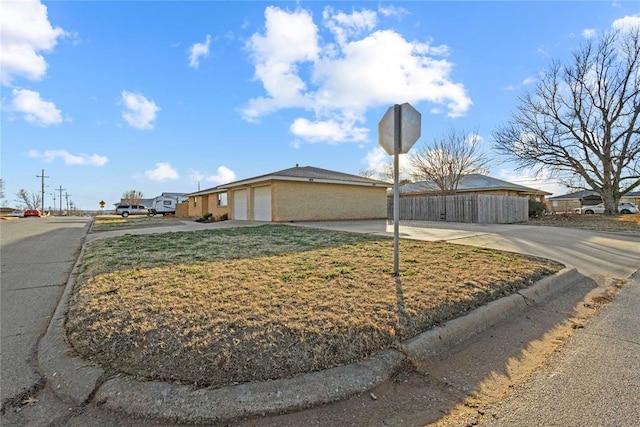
x,y
379,161
376,159
35,109
68,158
26,33
197,51
338,82
345,26
223,176
330,131
140,112
588,33
627,23
398,12
529,80
162,172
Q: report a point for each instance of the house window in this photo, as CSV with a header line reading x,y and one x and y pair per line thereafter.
x,y
222,199
195,202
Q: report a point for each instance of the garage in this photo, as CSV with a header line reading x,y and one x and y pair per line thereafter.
x,y
262,203
239,205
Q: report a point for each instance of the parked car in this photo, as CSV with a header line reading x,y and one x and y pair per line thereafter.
x,y
16,214
126,210
623,208
32,212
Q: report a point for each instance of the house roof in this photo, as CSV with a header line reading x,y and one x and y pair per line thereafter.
x,y
586,193
302,174
575,195
468,183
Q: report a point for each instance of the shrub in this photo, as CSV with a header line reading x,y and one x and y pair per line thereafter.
x,y
536,209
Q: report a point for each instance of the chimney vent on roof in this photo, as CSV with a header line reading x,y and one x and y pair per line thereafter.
x,y
296,165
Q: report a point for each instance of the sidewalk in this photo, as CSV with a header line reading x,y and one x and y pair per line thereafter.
x,y
593,380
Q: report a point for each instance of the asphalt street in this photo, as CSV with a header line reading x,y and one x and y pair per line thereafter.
x,y
37,256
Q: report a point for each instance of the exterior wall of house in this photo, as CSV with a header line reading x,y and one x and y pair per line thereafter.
x,y
308,201
215,209
198,206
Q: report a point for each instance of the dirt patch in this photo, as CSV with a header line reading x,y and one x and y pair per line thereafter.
x,y
221,307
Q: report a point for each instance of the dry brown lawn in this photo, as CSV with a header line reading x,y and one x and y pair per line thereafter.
x,y
619,223
228,306
116,222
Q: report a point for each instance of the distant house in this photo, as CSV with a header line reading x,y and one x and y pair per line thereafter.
x,y
474,184
572,202
301,193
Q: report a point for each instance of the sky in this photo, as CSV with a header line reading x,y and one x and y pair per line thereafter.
x,y
176,96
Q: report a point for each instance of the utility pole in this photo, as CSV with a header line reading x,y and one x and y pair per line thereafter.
x,y
61,189
54,200
66,196
43,176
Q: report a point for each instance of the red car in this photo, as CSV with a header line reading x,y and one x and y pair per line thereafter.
x,y
31,212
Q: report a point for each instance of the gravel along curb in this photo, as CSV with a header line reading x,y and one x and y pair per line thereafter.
x,y
77,380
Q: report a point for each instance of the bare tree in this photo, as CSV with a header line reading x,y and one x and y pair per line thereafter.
x,y
581,120
3,202
447,159
368,173
132,197
30,200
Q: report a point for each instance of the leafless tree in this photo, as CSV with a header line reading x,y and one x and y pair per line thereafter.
x,y
581,119
30,200
447,159
132,197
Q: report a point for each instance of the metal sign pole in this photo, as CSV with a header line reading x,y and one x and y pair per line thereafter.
x,y
396,189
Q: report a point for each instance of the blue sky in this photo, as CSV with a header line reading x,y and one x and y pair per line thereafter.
x,y
168,96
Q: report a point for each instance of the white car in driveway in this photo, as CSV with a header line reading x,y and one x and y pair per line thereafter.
x,y
623,208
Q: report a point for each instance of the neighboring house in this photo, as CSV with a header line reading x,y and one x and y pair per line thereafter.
x,y
474,184
212,200
165,202
572,202
301,193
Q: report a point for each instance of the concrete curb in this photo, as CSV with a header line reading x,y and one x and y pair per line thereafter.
x,y
74,379
70,377
188,405
457,330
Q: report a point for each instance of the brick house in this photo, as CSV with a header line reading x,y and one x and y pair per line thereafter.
x,y
301,193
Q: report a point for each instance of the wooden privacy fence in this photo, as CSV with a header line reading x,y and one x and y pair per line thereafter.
x,y
473,208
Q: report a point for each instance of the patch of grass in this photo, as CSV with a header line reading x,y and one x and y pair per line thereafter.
x,y
116,222
619,223
227,306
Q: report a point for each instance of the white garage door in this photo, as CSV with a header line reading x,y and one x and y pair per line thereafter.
x,y
240,204
262,203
